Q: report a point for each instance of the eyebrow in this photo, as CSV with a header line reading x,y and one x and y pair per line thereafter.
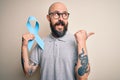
x,y
58,11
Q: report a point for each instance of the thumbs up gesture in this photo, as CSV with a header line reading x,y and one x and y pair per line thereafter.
x,y
81,36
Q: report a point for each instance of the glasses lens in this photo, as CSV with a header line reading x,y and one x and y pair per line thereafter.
x,y
56,15
65,15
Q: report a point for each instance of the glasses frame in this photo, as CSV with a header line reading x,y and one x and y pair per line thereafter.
x,y
58,13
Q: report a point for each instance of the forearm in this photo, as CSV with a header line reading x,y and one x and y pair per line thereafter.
x,y
28,66
24,59
82,68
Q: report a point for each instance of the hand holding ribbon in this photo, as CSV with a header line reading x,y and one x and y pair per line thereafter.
x,y
35,32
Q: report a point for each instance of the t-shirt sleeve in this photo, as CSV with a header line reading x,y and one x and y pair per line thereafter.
x,y
35,54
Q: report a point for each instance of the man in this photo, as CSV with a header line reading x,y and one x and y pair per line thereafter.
x,y
64,56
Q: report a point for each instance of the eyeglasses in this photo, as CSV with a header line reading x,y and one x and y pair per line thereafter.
x,y
56,15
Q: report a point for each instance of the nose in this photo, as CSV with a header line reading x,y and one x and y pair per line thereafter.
x,y
60,17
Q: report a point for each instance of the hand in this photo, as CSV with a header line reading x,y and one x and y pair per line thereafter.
x,y
81,36
26,37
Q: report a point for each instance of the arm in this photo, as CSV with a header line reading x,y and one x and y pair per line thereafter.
x,y
82,68
28,66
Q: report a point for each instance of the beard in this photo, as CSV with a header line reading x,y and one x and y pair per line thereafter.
x,y
58,33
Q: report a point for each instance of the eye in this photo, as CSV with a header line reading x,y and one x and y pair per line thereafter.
x,y
65,15
55,15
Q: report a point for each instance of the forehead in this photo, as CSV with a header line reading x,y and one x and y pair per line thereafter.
x,y
58,7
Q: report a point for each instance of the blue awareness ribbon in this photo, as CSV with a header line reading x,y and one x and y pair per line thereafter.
x,y
34,31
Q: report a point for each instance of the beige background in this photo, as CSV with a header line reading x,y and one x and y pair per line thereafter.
x,y
99,16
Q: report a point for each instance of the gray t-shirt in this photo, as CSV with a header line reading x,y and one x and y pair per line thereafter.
x,y
58,58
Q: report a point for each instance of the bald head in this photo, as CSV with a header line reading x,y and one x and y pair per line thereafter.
x,y
57,6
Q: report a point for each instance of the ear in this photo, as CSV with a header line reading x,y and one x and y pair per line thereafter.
x,y
48,18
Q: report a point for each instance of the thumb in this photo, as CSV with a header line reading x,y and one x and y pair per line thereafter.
x,y
89,34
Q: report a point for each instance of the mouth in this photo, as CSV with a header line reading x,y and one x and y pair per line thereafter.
x,y
62,23
59,28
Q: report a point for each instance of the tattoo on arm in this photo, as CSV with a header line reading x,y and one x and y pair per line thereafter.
x,y
32,69
32,66
30,72
84,63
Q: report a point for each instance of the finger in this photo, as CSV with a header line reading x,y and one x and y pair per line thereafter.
x,y
32,36
89,34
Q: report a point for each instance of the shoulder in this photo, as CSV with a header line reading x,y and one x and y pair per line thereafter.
x,y
47,38
70,37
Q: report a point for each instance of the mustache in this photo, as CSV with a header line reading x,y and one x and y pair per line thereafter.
x,y
60,22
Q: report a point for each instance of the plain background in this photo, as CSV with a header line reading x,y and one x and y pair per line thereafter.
x,y
99,16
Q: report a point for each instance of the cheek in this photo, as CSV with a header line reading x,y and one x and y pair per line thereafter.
x,y
66,21
53,21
